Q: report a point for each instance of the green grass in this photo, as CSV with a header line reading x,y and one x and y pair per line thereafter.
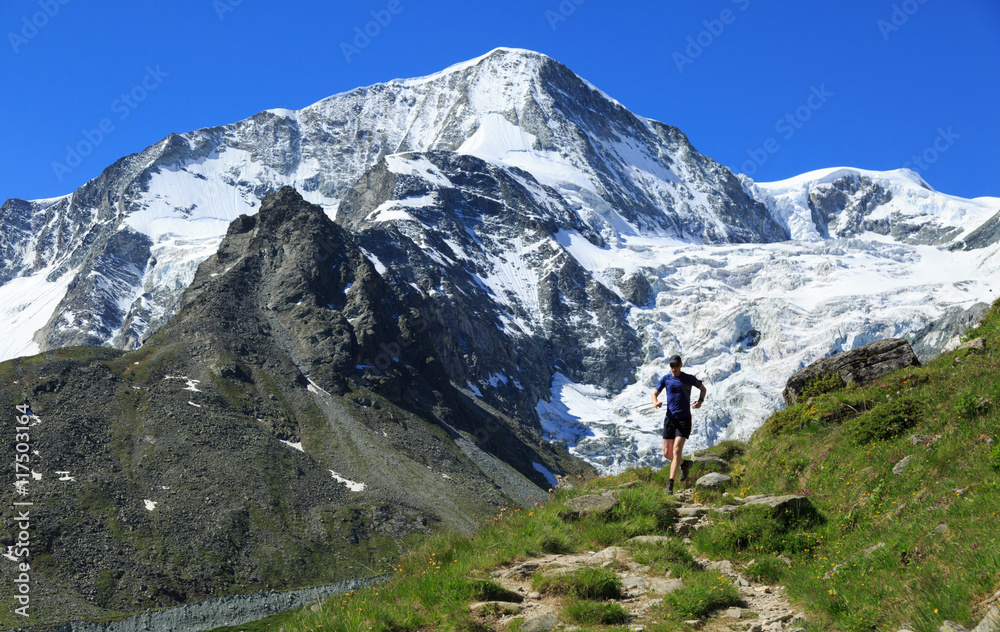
x,y
703,594
822,384
839,451
585,583
590,612
885,421
756,530
437,580
767,569
671,555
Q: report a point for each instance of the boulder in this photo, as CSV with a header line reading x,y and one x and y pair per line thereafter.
x,y
900,467
686,512
611,553
662,586
991,622
496,608
541,623
634,585
713,480
521,571
710,458
588,505
857,366
782,503
979,344
722,566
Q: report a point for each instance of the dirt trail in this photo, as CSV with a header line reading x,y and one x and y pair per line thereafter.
x,y
766,607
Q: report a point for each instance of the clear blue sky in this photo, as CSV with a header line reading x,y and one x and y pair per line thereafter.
x,y
894,74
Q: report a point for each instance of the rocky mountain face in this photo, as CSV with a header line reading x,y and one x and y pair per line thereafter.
x,y
263,439
556,245
481,244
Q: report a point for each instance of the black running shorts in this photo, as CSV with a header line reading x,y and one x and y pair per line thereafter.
x,y
677,427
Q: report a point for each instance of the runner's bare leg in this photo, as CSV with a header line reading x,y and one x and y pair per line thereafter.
x,y
675,462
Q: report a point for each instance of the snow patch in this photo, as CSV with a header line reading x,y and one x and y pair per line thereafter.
x,y
549,476
351,485
26,304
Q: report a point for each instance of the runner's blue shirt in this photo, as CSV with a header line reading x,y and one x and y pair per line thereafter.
x,y
678,393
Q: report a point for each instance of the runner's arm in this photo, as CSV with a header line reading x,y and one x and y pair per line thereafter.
x,y
701,399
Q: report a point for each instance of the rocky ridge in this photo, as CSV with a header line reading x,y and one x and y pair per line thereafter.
x,y
258,441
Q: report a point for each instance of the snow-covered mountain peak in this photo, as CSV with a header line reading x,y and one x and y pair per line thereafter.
x,y
517,199
514,63
903,177
848,202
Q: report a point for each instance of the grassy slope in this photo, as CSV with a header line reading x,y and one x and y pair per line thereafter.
x,y
824,449
436,582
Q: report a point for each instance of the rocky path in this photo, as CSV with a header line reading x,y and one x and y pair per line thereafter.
x,y
765,609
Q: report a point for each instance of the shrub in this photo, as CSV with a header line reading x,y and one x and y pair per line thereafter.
x,y
885,421
585,583
596,613
729,450
821,384
969,405
792,418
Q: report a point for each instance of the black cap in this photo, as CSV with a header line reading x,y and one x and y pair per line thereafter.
x,y
675,360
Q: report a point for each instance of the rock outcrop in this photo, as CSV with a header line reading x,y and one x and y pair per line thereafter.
x,y
857,366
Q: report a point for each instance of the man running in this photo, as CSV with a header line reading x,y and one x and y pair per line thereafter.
x,y
677,423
